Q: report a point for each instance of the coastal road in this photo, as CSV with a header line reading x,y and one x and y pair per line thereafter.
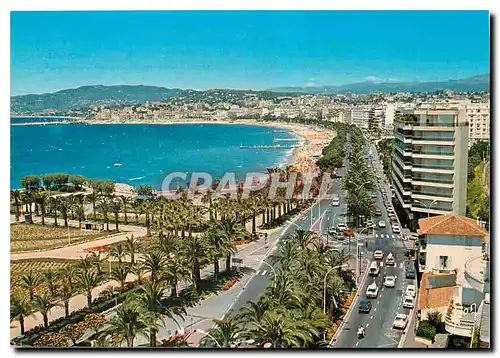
x,y
378,323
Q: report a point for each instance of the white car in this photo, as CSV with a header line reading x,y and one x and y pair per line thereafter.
x,y
390,260
396,229
381,223
390,209
372,291
400,321
410,290
409,302
390,281
341,227
378,255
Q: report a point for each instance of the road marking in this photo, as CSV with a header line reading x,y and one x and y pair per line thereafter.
x,y
357,344
368,324
378,302
381,263
401,265
371,318
375,310
376,236
264,273
393,236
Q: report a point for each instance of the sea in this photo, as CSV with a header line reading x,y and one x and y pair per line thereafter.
x,y
142,154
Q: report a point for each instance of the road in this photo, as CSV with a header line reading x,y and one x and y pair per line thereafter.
x,y
378,323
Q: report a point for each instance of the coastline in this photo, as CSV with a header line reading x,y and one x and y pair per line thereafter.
x,y
302,158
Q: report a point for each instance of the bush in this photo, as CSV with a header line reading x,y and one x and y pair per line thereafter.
x,y
434,318
426,330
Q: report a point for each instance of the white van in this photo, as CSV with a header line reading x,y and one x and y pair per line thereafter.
x,y
374,269
336,201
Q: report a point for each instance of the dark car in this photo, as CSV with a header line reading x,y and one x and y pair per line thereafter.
x,y
365,306
410,273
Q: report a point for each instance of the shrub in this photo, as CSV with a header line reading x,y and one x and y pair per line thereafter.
x,y
426,330
434,318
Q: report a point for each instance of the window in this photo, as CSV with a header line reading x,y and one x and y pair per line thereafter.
x,y
468,241
443,262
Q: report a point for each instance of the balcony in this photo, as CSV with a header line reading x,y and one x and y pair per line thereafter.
x,y
474,272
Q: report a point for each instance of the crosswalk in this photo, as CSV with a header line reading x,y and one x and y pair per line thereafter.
x,y
260,272
401,264
387,236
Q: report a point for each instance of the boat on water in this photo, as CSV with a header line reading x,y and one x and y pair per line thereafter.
x,y
117,164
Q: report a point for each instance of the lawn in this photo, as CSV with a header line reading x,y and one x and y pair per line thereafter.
x,y
33,237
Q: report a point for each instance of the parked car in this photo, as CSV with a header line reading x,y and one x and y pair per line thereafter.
x,y
410,290
378,212
381,223
378,255
396,229
390,209
389,281
374,195
348,233
410,273
372,291
409,302
341,227
400,321
365,306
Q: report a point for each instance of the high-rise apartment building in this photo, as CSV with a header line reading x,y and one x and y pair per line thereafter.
x,y
478,116
360,116
429,160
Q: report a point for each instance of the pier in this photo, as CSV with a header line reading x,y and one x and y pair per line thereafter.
x,y
285,140
281,131
275,146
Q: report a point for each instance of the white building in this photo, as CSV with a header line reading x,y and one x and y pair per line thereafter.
x,y
478,116
389,109
360,116
429,161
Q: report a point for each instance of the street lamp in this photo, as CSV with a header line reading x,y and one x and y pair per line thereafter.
x,y
207,334
324,285
427,206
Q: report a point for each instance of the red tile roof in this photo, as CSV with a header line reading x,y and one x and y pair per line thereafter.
x,y
450,224
433,297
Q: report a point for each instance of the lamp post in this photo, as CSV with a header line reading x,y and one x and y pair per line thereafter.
x,y
209,335
324,285
427,206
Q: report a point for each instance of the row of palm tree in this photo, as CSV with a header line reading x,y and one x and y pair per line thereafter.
x,y
289,314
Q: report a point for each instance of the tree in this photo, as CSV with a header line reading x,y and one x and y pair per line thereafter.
x,y
66,292
434,318
126,324
30,182
60,179
107,187
194,249
54,205
77,181
145,190
104,207
47,180
79,210
126,203
148,300
117,252
64,206
153,263
50,277
119,274
131,245
42,199
226,331
230,231
75,331
16,196
30,282
88,280
43,304
19,309
115,207
176,270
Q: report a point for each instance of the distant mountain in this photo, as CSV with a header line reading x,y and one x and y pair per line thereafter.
x,y
475,83
83,97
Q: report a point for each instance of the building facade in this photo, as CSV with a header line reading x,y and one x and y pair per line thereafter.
x,y
360,116
429,161
478,116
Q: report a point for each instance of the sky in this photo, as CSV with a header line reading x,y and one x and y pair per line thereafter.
x,y
51,51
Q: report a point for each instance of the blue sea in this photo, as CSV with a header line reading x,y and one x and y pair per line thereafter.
x,y
146,152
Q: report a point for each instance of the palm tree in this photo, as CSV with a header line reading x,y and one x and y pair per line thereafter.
x,y
41,199
115,208
88,280
195,249
104,208
153,263
147,207
64,207
50,278
80,210
43,304
93,196
28,198
117,252
16,196
119,274
19,309
217,248
175,271
54,206
126,324
230,231
31,281
66,292
126,201
135,205
149,301
226,331
131,245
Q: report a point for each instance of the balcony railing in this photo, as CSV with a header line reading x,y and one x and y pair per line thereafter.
x,y
429,152
432,166
440,195
414,178
438,139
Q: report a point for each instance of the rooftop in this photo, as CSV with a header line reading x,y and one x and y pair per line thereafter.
x,y
436,290
451,224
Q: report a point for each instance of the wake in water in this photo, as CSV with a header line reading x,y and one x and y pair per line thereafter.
x,y
138,178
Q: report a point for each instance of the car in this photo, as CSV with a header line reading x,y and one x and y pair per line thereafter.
x,y
390,209
365,306
381,223
396,229
390,281
400,321
390,260
341,227
408,302
378,255
410,290
332,230
372,291
348,233
374,195
374,269
378,212
410,273
393,218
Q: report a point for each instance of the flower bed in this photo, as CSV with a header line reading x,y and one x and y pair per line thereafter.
x,y
97,248
230,283
243,242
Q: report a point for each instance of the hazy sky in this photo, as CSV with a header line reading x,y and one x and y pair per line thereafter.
x,y
258,50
